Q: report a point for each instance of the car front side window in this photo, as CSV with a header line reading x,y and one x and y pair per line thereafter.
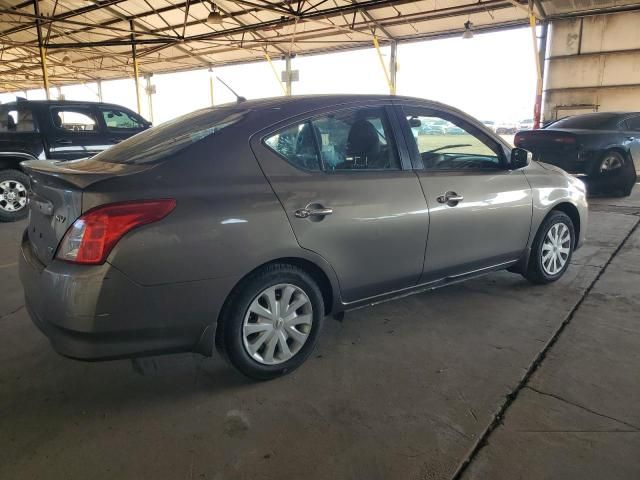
x,y
120,120
445,142
74,119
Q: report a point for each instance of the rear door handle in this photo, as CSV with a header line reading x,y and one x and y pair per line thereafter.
x,y
115,140
313,212
450,198
63,141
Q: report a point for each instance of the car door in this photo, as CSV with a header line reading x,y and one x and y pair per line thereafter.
x,y
74,132
480,211
350,196
119,123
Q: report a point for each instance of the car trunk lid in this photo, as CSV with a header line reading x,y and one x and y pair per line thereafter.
x,y
547,140
56,198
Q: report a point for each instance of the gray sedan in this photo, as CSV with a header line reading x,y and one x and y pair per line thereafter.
x,y
240,227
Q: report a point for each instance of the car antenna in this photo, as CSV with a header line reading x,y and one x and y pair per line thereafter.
x,y
239,98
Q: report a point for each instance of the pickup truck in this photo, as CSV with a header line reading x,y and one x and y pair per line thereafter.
x,y
54,130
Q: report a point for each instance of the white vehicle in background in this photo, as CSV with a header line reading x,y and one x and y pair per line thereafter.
x,y
525,124
489,124
506,128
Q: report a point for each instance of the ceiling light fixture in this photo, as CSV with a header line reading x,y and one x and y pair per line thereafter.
x,y
467,29
66,60
215,17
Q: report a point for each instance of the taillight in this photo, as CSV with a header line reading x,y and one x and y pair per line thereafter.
x,y
517,140
92,236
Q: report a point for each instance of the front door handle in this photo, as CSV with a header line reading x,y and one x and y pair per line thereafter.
x,y
311,211
631,138
115,140
450,198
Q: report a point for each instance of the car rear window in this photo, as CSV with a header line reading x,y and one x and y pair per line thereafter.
x,y
590,121
170,137
16,118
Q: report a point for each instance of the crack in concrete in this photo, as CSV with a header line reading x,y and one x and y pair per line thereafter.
x,y
586,409
12,312
511,397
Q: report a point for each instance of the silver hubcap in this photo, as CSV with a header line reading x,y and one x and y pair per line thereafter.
x,y
556,248
13,196
277,324
611,162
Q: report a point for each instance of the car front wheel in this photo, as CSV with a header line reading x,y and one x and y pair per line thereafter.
x,y
272,321
13,195
552,249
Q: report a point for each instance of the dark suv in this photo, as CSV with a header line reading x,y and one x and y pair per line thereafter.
x,y
57,130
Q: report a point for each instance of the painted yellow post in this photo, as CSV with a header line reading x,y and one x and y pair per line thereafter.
x,y
136,73
392,87
275,72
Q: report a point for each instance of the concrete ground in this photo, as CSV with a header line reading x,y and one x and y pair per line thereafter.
x,y
494,378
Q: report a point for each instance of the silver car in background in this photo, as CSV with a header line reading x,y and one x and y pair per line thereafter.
x,y
242,226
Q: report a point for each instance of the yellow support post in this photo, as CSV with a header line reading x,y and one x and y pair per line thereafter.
x,y
43,51
275,72
392,87
136,71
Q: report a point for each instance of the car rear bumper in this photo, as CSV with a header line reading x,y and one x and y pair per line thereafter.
x,y
582,163
98,313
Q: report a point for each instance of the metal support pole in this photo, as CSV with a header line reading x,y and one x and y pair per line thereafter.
x,y
211,85
100,91
149,96
287,64
538,102
542,55
393,67
135,66
43,52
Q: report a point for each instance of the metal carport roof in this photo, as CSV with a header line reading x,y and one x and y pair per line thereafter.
x,y
88,40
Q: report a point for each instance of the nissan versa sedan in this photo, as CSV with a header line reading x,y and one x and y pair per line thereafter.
x,y
239,228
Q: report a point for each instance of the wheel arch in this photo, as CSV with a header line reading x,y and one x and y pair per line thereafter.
x,y
572,212
11,160
330,294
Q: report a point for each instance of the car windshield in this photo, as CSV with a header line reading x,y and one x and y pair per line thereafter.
x,y
171,137
590,121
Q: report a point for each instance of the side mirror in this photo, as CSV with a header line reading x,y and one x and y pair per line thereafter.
x,y
520,158
415,122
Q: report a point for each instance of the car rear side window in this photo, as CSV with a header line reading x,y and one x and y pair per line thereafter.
x,y
74,119
120,120
16,119
297,145
354,139
633,123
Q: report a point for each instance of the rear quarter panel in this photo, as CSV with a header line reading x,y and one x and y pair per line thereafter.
x,y
227,220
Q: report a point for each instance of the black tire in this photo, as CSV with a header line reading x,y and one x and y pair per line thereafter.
x,y
13,177
618,182
236,308
536,272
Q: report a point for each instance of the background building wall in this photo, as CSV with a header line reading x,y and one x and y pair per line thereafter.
x,y
593,65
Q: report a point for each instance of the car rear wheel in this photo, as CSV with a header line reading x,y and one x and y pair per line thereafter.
x,y
272,321
615,174
552,249
13,195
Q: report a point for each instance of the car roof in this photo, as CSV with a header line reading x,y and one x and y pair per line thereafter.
x,y
22,101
